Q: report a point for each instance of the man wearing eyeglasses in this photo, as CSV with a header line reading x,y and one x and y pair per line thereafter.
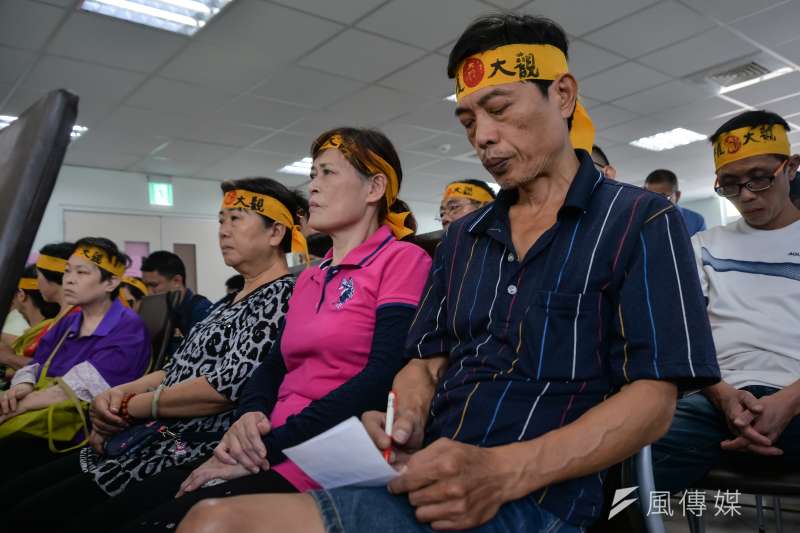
x,y
750,274
665,183
463,197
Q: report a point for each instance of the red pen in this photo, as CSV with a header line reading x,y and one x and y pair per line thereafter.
x,y
389,422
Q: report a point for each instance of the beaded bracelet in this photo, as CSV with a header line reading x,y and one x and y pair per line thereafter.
x,y
123,408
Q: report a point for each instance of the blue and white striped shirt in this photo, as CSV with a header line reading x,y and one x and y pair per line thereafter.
x,y
608,295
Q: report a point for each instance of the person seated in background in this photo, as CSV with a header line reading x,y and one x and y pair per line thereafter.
x,y
750,274
164,271
234,284
50,268
318,243
38,313
101,346
538,308
463,197
132,291
195,394
602,164
347,316
665,183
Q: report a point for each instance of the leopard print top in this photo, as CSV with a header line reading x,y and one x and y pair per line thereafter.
x,y
225,348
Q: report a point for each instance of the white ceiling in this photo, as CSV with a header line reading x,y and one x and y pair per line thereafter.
x,y
248,93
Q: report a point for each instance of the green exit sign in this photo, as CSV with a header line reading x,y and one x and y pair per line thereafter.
x,y
160,193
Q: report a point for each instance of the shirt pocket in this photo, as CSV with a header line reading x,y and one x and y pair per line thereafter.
x,y
561,332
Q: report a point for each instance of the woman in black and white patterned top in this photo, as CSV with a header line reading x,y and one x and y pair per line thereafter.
x,y
194,395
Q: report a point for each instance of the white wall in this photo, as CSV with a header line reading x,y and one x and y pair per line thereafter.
x,y
708,207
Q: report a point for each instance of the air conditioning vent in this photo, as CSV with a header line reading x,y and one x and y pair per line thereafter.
x,y
739,74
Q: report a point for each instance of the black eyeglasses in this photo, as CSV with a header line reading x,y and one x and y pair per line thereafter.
x,y
754,184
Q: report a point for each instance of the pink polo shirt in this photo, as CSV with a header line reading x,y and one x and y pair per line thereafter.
x,y
328,333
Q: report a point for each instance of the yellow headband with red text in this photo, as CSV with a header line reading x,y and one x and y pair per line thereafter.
x,y
101,259
467,190
139,284
521,62
51,264
377,165
270,208
28,284
750,141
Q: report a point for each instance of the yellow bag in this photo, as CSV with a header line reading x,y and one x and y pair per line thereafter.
x,y
57,422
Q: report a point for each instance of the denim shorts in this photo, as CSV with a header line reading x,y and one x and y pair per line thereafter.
x,y
367,510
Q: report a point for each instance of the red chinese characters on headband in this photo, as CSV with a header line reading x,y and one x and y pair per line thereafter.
x,y
230,197
472,72
732,144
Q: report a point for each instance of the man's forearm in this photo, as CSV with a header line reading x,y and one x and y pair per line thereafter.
x,y
792,394
605,435
416,383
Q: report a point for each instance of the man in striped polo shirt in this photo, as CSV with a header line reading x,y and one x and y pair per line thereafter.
x,y
557,326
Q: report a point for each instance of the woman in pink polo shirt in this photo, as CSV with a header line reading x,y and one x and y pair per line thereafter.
x,y
344,332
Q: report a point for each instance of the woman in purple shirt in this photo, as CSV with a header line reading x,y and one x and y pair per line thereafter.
x,y
105,344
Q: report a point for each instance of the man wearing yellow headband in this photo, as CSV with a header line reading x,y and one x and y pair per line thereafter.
x,y
538,309
750,273
463,197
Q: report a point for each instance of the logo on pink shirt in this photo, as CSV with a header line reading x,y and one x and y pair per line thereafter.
x,y
346,291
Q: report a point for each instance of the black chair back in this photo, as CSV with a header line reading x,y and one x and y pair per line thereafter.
x,y
31,152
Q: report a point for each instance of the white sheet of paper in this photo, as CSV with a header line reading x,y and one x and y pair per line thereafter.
x,y
342,456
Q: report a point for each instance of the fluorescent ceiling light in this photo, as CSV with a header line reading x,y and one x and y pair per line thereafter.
x,y
301,168
772,75
668,140
77,130
451,98
179,16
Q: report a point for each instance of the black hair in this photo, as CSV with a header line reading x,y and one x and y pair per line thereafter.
x,y
48,309
133,290
478,183
499,29
62,250
166,263
362,141
235,283
302,203
596,150
112,251
662,175
319,244
269,187
750,119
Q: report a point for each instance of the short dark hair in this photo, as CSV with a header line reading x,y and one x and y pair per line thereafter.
x,y
62,250
48,309
112,251
268,187
750,119
478,183
662,175
235,283
301,201
165,263
597,151
363,141
499,29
